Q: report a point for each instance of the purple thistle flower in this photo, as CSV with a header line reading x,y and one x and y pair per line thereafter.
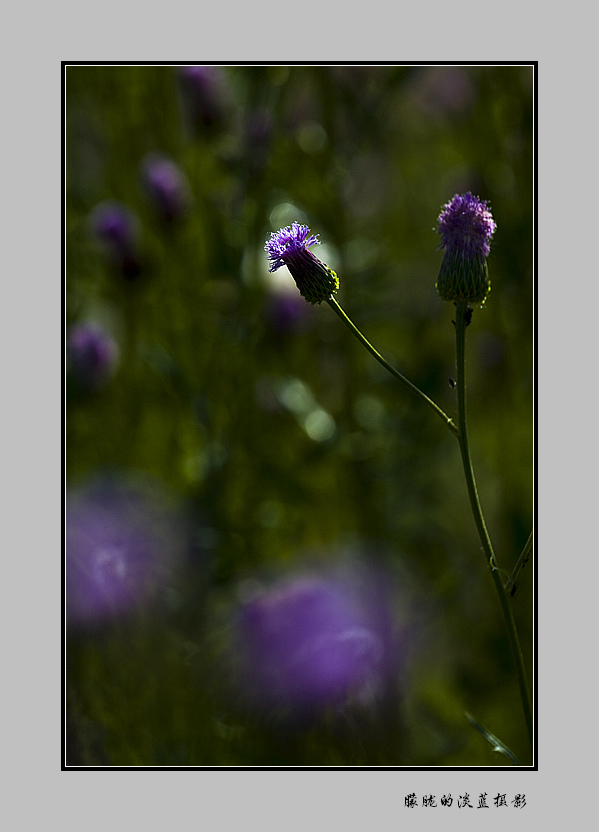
x,y
289,247
166,186
312,642
466,223
466,227
92,355
122,539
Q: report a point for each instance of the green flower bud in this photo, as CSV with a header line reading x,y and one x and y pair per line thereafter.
x,y
463,278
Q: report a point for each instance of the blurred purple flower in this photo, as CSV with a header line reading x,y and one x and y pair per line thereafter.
x,y
316,641
116,226
286,312
92,355
166,186
204,97
122,541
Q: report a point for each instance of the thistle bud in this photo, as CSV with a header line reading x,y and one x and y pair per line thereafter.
x,y
466,227
289,247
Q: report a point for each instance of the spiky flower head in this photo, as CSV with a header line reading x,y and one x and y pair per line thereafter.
x,y
289,247
466,227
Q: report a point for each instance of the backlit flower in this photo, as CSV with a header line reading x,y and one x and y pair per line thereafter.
x,y
289,247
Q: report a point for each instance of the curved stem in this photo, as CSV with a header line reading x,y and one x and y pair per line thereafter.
x,y
354,329
510,624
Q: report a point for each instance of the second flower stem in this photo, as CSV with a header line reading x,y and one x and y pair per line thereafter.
x,y
461,433
462,315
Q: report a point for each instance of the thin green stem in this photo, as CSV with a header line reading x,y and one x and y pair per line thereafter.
x,y
461,322
354,329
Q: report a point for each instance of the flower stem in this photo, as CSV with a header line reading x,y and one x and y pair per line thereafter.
x,y
354,329
461,322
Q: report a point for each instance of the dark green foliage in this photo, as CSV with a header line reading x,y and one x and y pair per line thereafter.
x,y
282,441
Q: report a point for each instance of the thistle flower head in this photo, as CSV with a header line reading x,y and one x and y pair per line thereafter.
x,y
466,223
289,247
466,227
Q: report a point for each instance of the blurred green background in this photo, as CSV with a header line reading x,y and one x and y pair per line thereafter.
x,y
273,427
